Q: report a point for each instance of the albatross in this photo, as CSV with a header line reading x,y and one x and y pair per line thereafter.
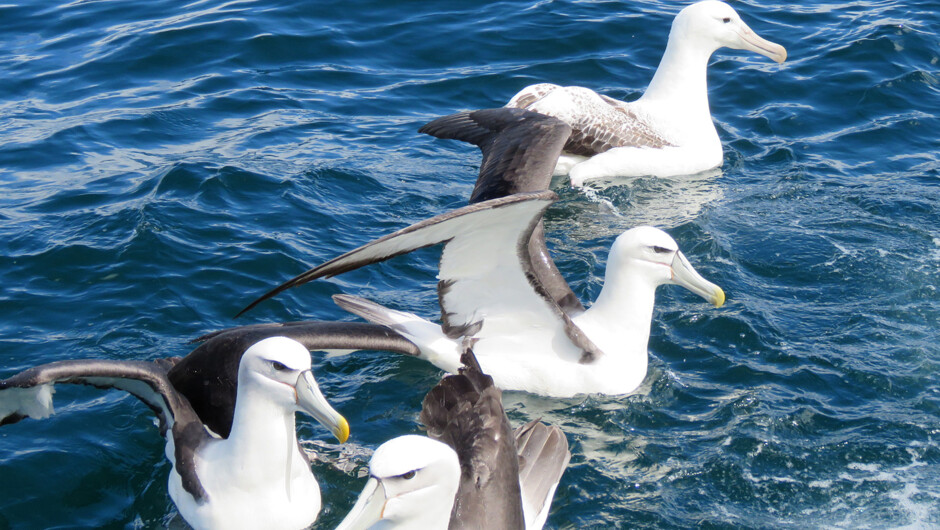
x,y
471,471
227,412
669,130
491,299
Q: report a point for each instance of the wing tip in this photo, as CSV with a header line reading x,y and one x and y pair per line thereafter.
x,y
21,401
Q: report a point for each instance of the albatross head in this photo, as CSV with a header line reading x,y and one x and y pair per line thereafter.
x,y
412,484
715,24
655,255
280,368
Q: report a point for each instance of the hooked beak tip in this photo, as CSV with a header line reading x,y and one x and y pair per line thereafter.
x,y
719,299
312,402
342,429
758,44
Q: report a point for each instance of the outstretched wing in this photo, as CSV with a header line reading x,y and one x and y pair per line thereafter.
x,y
465,412
208,376
29,394
520,149
487,284
543,457
598,123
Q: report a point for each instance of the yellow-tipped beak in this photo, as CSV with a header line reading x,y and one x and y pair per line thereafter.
x,y
342,429
311,401
719,299
684,274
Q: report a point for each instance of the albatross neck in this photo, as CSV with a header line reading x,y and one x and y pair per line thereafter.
x,y
263,432
680,86
622,313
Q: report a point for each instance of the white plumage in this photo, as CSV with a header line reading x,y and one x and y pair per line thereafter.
x,y
669,130
491,298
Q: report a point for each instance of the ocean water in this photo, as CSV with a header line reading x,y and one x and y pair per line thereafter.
x,y
162,163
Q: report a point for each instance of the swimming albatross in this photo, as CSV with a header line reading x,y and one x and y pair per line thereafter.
x,y
489,296
255,475
473,471
669,130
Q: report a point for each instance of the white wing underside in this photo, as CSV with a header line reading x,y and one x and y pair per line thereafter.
x,y
484,292
484,282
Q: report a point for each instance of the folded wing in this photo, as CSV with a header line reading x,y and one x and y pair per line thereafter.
x,y
598,123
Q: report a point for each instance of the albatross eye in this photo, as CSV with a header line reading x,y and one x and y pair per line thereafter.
x,y
409,475
661,250
280,367
726,20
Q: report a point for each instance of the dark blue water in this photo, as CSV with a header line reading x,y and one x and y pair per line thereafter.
x,y
162,163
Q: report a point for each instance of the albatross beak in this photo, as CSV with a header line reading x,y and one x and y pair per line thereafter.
x,y
684,274
755,43
311,401
369,507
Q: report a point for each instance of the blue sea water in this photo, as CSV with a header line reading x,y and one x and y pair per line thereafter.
x,y
162,163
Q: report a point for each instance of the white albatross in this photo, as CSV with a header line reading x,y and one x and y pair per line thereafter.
x,y
669,130
471,471
227,412
491,298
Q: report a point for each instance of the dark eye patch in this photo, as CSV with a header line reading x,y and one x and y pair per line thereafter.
x,y
661,250
409,475
280,367
726,20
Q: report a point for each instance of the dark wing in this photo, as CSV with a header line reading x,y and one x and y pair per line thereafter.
x,y
465,412
208,376
29,394
520,149
543,457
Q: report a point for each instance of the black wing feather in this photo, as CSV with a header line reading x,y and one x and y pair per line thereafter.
x,y
209,375
147,381
465,412
520,148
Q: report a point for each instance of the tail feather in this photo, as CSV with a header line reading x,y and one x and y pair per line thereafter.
x,y
434,346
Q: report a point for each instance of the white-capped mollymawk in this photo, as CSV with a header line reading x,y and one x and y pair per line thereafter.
x,y
472,471
669,130
490,297
227,412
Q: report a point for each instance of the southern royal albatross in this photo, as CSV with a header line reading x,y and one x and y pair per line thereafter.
x,y
669,130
